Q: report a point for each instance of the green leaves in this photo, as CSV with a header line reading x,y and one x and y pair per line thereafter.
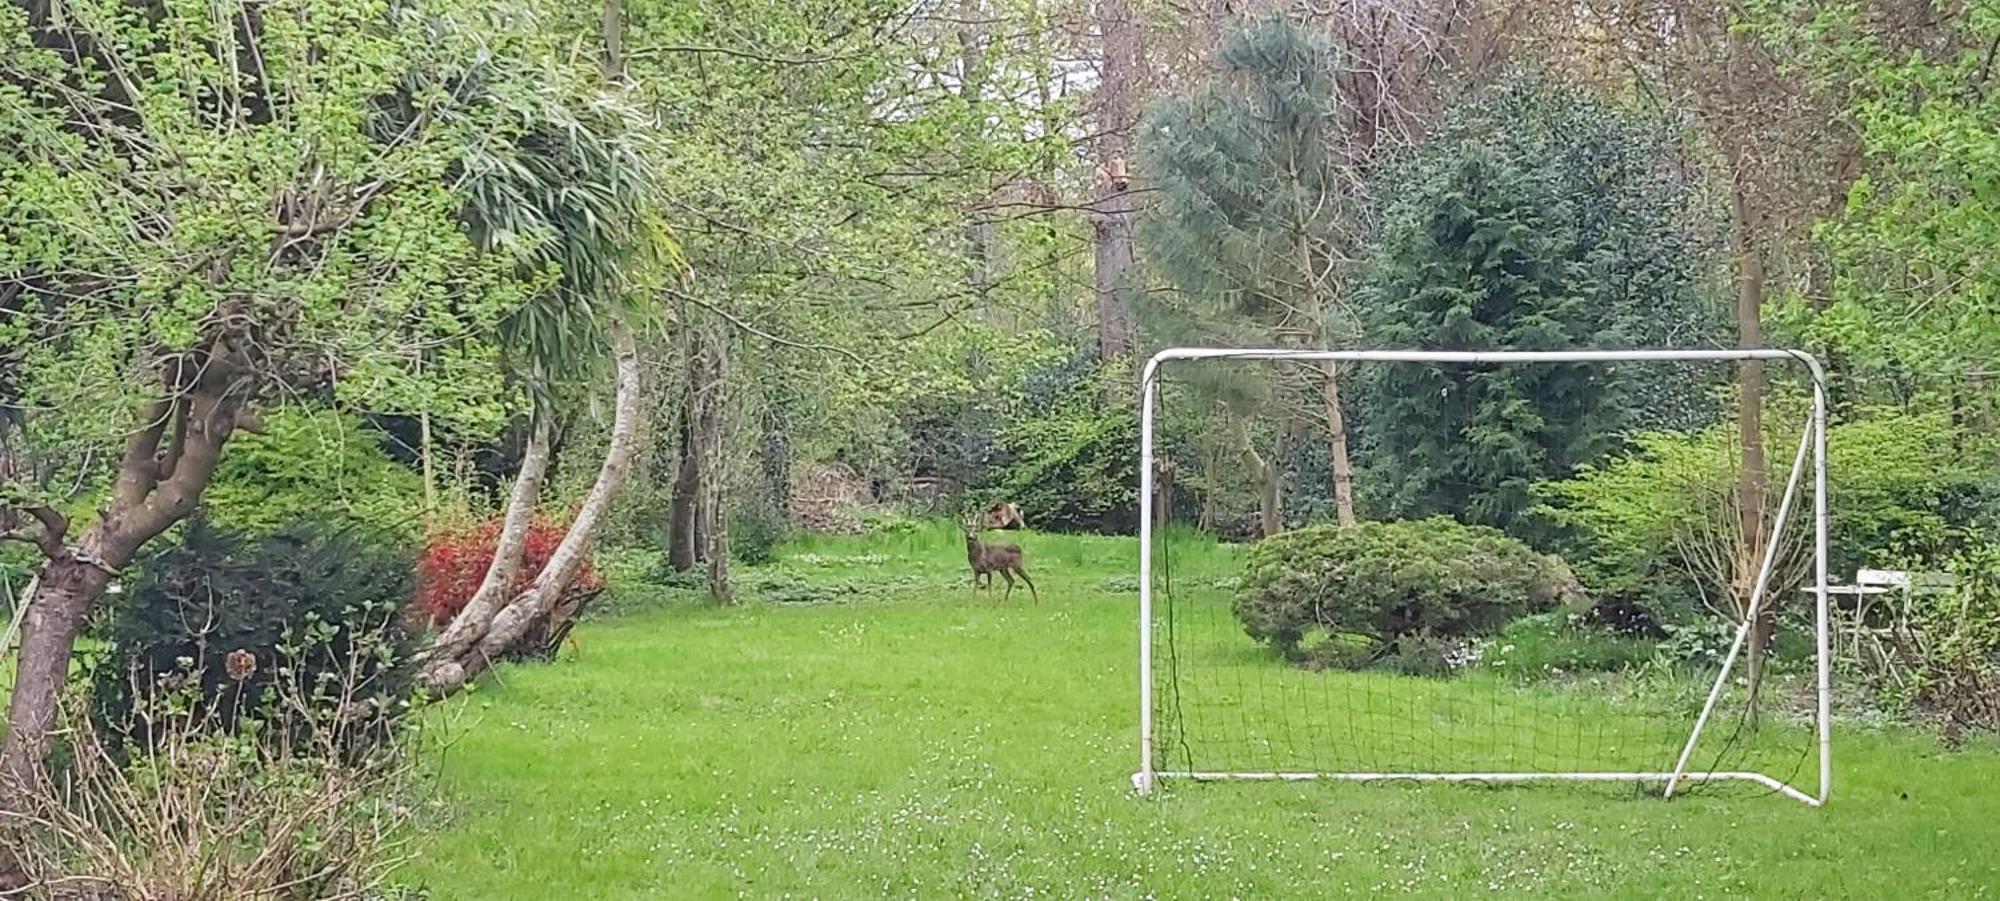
x,y
1914,279
1328,596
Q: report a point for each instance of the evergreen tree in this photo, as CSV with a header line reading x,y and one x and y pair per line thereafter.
x,y
1535,217
1249,225
1474,259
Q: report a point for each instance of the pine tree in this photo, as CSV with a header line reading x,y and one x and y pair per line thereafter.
x,y
1250,226
1534,217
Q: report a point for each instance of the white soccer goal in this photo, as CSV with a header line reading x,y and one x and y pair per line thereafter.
x,y
1212,707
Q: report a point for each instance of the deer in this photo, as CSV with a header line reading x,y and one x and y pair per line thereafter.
x,y
1003,515
987,559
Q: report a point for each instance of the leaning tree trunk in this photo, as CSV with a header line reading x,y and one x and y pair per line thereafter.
x,y
495,589
1264,475
167,463
535,602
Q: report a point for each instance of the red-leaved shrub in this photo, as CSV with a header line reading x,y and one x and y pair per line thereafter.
x,y
455,562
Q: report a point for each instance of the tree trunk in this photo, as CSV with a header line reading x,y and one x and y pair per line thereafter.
x,y
1265,475
1163,494
1751,487
714,441
1111,215
979,229
55,617
1336,439
496,588
611,28
541,596
167,463
682,548
681,509
1269,519
1211,470
777,459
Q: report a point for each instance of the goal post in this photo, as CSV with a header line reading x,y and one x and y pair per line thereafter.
x,y
1673,771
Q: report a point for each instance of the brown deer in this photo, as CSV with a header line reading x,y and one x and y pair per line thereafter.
x,y
1003,515
987,559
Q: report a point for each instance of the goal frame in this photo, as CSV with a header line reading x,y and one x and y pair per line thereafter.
x,y
1148,777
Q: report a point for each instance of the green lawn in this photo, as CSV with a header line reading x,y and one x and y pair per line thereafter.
x,y
913,739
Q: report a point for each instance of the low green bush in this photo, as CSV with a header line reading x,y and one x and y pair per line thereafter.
x,y
754,535
1397,592
223,625
1655,527
1556,643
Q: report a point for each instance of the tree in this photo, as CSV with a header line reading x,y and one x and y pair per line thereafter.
x,y
1535,217
211,212
1112,208
1911,291
575,194
1765,132
1475,257
1248,170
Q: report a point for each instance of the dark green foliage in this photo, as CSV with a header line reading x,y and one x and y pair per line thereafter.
x,y
316,604
1075,467
754,534
1248,174
1070,458
1536,218
1392,591
1480,266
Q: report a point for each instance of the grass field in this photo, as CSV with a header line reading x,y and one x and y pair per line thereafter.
x,y
911,739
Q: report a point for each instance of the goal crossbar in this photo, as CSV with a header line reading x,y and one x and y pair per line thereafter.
x,y
1148,777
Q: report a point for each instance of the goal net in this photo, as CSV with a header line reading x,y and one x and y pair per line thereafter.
x,y
1692,658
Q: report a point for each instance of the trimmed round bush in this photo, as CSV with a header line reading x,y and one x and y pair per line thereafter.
x,y
1395,592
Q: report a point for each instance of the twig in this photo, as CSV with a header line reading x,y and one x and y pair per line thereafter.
x,y
745,54
775,339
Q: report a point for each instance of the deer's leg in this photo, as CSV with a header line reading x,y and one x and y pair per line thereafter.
x,y
1023,573
1010,585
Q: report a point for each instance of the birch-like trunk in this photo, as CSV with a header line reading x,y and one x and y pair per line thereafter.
x,y
495,589
541,596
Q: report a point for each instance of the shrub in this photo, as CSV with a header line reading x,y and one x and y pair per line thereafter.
x,y
1658,525
1344,597
455,562
754,535
223,624
1550,644
219,813
311,465
1938,656
1070,464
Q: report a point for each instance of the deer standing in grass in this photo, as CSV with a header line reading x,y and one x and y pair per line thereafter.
x,y
987,559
